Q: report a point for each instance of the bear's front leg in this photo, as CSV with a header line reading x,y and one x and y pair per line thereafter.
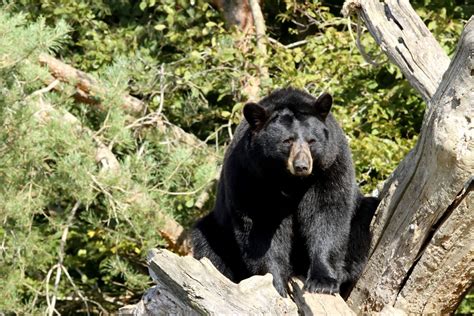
x,y
326,234
277,259
268,251
280,282
323,275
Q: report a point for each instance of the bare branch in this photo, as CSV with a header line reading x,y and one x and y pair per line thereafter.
x,y
88,89
402,35
59,266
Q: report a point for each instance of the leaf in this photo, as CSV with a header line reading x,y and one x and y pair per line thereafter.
x,y
225,114
189,203
160,27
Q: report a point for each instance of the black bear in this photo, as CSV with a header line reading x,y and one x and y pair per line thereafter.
x,y
286,198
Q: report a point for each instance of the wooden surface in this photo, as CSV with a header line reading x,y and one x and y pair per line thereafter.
x,y
404,38
186,286
422,252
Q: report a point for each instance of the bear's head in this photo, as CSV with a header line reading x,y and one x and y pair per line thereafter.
x,y
289,131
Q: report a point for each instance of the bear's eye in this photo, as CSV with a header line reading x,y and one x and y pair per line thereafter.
x,y
311,141
289,141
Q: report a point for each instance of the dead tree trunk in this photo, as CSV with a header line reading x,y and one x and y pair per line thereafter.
x,y
421,258
236,13
423,247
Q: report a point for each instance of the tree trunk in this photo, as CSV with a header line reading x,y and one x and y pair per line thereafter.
x,y
236,13
421,257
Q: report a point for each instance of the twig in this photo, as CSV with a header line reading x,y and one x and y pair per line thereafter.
x,y
78,292
187,192
101,189
74,299
296,44
162,89
44,90
371,60
349,27
51,304
51,308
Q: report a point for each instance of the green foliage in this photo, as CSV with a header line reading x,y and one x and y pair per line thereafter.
x,y
174,55
47,165
467,305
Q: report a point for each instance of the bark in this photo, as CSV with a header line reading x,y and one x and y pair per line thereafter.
x,y
421,258
186,286
260,28
236,13
253,85
248,17
405,39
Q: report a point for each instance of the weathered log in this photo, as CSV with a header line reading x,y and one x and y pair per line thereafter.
x,y
88,89
402,35
422,252
186,286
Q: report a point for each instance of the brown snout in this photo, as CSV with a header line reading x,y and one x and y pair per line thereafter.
x,y
300,162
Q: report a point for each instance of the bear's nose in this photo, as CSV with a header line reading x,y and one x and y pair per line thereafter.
x,y
301,167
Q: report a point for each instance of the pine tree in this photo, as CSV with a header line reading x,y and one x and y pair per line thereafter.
x,y
74,232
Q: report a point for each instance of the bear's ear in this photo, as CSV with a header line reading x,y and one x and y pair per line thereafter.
x,y
323,105
255,115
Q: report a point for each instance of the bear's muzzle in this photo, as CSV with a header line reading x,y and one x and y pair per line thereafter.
x,y
300,162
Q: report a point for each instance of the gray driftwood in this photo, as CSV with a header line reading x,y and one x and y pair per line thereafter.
x,y
186,286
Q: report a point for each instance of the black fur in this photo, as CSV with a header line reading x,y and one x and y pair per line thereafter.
x,y
266,219
359,243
